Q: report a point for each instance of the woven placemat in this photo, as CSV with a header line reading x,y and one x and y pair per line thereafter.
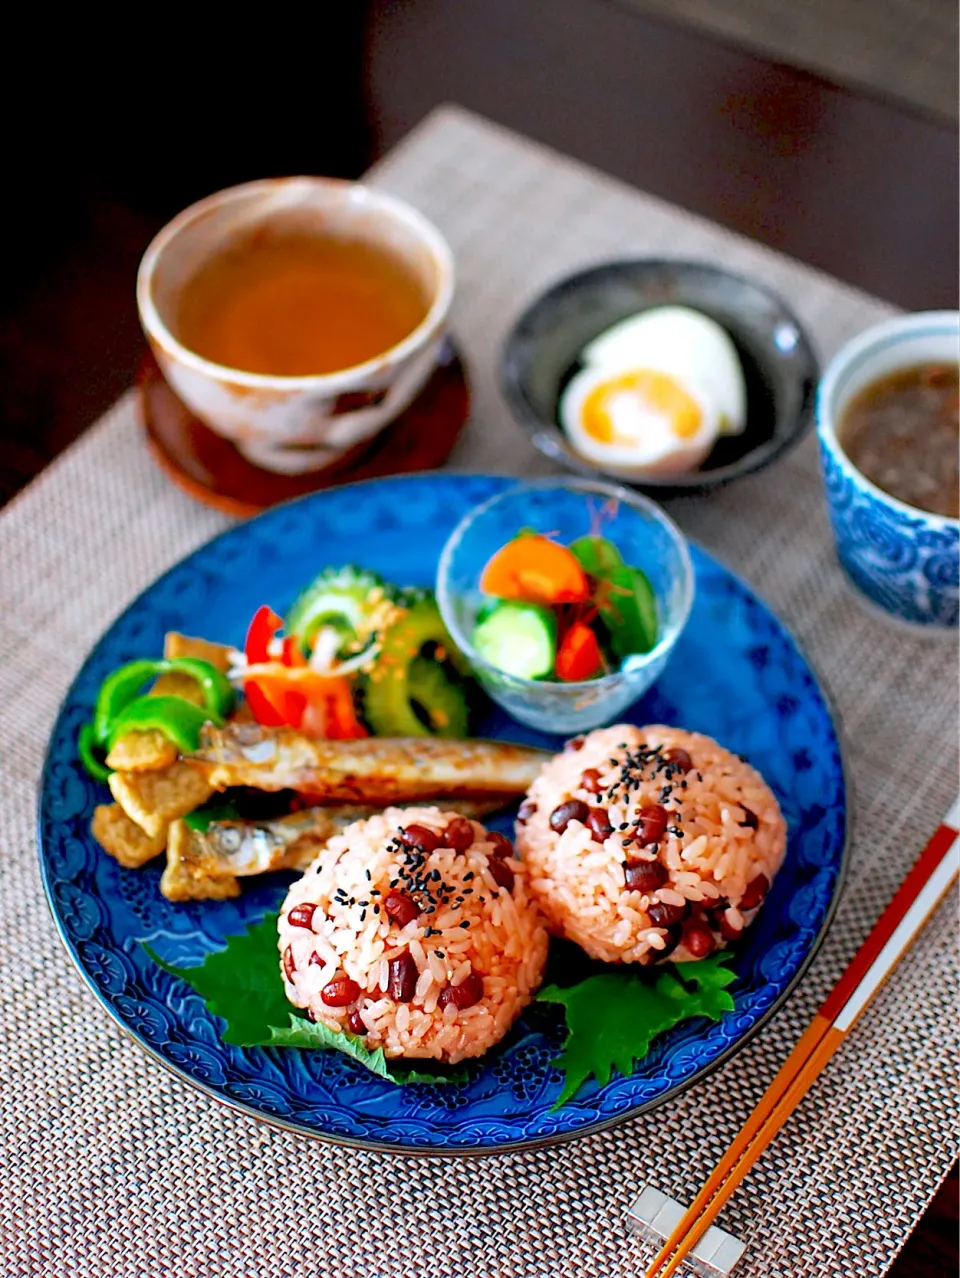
x,y
112,1167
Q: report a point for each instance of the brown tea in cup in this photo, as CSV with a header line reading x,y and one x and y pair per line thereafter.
x,y
297,317
293,304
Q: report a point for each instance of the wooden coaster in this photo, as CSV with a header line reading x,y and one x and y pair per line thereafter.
x,y
211,469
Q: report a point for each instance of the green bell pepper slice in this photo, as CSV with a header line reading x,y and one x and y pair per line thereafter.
x,y
219,697
121,688
117,691
180,721
120,708
88,750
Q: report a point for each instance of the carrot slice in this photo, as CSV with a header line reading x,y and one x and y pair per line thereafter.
x,y
537,570
578,656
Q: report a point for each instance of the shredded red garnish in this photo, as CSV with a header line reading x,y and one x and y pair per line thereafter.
x,y
285,692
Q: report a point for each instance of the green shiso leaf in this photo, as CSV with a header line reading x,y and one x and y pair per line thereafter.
x,y
612,1018
612,1015
241,983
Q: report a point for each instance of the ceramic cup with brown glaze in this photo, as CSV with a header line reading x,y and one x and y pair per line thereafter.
x,y
296,316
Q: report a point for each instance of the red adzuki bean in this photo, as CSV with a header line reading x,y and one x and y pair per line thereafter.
x,y
680,760
754,892
301,915
698,939
644,876
458,834
526,810
289,966
662,915
464,995
564,813
355,1023
400,907
727,929
340,992
651,823
501,844
590,781
402,977
598,823
418,836
500,872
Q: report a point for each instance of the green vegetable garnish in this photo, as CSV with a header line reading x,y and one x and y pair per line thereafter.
x,y
518,638
219,697
90,754
399,698
629,611
596,555
242,984
179,720
436,700
350,600
120,708
625,598
612,1018
116,693
216,809
121,688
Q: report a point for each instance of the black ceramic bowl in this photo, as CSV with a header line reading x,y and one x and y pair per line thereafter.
x,y
780,368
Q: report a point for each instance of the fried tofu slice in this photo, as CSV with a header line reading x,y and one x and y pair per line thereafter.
x,y
177,645
124,839
188,875
176,684
154,799
142,752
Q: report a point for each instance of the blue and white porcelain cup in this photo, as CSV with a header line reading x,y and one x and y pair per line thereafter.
x,y
902,559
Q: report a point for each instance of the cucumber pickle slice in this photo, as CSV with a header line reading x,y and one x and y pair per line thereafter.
x,y
518,638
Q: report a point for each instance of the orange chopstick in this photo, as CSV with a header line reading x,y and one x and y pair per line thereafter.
x,y
917,897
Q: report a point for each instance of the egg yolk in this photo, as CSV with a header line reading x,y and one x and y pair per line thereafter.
x,y
658,394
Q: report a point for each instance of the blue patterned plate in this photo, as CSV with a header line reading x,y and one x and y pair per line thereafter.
x,y
736,674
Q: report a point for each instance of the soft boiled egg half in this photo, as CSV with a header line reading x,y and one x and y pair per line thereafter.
x,y
655,393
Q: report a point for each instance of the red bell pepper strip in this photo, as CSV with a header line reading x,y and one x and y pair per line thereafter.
x,y
261,707
578,656
292,653
287,693
263,627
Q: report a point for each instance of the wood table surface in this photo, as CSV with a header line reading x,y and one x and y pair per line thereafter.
x,y
862,188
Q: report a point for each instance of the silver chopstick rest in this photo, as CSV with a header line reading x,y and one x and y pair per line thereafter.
x,y
654,1216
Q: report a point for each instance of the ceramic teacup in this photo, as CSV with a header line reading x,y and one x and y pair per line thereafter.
x,y
294,424
904,560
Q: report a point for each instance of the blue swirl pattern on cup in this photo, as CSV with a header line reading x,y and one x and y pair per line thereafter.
x,y
904,560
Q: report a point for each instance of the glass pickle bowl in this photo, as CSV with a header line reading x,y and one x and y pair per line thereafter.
x,y
565,509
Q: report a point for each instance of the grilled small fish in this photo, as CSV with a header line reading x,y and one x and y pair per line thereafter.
x,y
377,770
205,864
253,847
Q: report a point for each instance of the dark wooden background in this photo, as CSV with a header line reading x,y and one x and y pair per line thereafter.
x,y
111,131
